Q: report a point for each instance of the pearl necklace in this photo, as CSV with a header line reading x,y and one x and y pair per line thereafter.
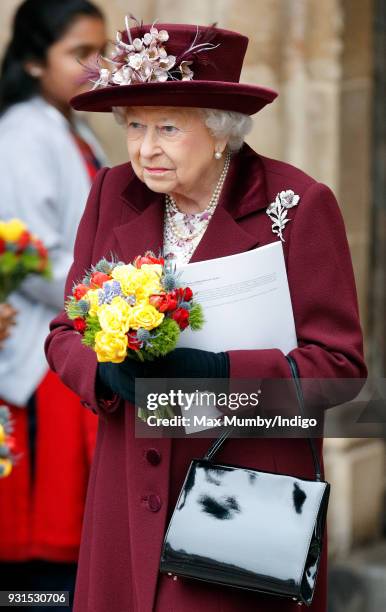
x,y
171,205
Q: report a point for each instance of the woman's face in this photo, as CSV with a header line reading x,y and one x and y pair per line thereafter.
x,y
61,75
171,149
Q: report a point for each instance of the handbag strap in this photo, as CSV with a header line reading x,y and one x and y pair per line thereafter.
x,y
218,443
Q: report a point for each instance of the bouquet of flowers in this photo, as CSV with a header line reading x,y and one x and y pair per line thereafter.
x,y
21,253
6,443
135,310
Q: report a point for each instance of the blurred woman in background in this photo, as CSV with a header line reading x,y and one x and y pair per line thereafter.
x,y
48,158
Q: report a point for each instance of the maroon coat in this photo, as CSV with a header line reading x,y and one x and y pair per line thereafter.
x,y
134,482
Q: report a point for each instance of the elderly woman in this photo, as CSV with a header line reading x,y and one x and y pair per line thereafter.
x,y
195,189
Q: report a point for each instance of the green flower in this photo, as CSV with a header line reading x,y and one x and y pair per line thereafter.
x,y
196,317
164,340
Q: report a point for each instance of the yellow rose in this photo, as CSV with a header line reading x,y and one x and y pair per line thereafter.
x,y
145,316
125,274
140,282
12,230
155,268
142,295
147,275
152,286
146,283
110,347
6,466
115,317
92,297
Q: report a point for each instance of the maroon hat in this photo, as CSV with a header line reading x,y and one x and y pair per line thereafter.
x,y
175,65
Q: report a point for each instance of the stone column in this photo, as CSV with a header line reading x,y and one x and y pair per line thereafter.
x,y
355,133
378,233
355,469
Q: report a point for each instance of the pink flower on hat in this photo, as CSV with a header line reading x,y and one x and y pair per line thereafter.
x,y
187,73
146,59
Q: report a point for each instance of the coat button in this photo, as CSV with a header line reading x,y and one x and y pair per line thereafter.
x,y
153,456
154,502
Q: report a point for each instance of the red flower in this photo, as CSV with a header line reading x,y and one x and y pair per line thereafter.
x,y
147,259
11,443
41,249
79,291
133,342
187,294
165,302
98,278
181,316
80,324
183,295
176,294
23,241
2,246
171,303
156,300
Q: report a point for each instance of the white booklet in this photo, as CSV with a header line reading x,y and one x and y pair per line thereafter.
x,y
246,303
245,299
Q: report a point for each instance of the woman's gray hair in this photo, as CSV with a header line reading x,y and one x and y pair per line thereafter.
x,y
228,124
222,124
119,113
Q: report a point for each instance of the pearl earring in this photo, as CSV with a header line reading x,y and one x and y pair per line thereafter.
x,y
35,71
218,155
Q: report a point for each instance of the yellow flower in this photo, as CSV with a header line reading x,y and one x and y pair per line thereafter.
x,y
115,317
12,230
147,282
146,316
140,282
125,274
110,347
92,297
154,268
2,434
6,464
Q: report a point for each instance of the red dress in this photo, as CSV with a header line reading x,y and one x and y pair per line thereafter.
x,y
41,506
42,501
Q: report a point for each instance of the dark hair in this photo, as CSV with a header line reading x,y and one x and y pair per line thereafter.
x,y
37,25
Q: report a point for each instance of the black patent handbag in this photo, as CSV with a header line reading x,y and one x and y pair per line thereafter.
x,y
248,529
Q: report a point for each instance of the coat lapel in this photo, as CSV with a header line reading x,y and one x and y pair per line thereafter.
x,y
223,236
143,232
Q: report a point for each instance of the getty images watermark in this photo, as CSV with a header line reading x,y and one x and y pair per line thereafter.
x,y
343,408
202,409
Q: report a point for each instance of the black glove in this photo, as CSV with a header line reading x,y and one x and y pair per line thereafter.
x,y
120,377
181,363
189,363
